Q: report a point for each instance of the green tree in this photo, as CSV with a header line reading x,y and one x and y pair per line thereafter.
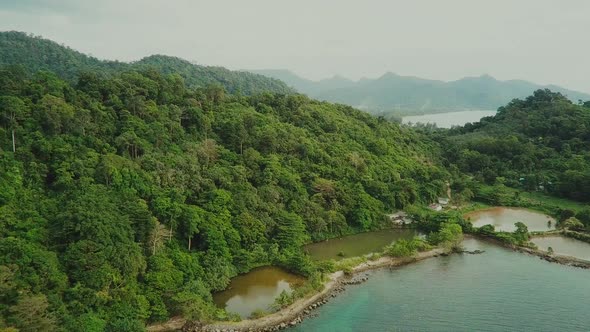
x,y
31,315
521,233
12,110
574,224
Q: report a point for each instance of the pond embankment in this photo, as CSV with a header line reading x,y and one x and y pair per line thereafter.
x,y
542,254
300,309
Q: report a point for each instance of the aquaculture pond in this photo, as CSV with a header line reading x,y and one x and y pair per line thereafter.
x,y
562,245
358,244
503,219
256,290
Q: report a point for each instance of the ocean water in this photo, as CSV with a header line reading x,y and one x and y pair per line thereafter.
x,y
447,120
499,290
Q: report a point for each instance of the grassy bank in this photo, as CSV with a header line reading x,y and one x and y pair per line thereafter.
x,y
500,195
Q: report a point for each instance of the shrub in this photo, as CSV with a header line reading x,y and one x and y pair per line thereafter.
x,y
506,238
573,223
258,313
283,300
401,248
487,230
347,270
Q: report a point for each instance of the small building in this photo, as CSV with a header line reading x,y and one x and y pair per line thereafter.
x,y
399,218
435,207
443,201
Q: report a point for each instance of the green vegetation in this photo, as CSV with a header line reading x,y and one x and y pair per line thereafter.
x,y
258,313
130,194
448,237
536,144
536,198
347,265
520,237
573,223
313,284
405,248
128,198
33,54
500,194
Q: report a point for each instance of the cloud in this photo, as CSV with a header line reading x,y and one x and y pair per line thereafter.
x,y
538,40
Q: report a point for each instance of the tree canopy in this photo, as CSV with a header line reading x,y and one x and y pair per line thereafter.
x,y
129,196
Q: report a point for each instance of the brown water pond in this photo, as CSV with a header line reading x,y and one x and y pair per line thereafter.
x,y
358,244
503,219
256,290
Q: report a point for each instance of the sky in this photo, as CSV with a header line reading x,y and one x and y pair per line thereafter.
x,y
543,41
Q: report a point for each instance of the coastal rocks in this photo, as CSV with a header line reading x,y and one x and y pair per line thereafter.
x,y
356,280
549,258
307,312
473,252
191,326
565,261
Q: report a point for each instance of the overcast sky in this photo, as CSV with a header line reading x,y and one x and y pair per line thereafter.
x,y
544,41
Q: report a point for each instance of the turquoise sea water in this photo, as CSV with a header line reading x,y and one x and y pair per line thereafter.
x,y
499,290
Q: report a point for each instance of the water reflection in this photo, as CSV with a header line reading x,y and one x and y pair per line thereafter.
x,y
358,244
256,290
503,219
562,245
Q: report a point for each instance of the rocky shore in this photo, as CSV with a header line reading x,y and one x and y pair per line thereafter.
x,y
553,258
300,309
337,283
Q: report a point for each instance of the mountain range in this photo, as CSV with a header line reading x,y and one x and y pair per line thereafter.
x,y
407,94
390,93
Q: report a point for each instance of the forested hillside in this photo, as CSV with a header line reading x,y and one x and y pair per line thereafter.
x,y
398,94
130,192
127,199
540,143
36,53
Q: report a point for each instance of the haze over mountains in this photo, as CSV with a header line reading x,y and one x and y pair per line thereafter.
x,y
406,94
386,94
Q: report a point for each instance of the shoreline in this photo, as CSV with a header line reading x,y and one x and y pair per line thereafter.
x,y
336,282
300,309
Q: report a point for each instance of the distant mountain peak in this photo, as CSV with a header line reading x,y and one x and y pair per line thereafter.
x,y
339,77
392,91
336,78
389,75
